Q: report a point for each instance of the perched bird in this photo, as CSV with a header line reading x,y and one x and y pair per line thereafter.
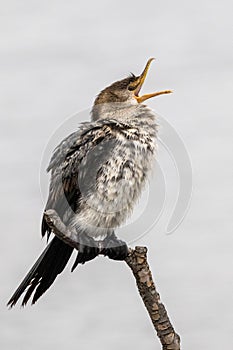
x,y
97,175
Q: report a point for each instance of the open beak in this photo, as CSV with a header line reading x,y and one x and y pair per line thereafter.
x,y
139,82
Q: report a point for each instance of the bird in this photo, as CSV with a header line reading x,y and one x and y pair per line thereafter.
x,y
97,176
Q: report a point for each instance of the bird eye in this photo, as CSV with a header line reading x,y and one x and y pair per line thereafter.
x,y
131,87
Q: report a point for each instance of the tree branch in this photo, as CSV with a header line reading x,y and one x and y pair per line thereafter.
x,y
137,261
66,234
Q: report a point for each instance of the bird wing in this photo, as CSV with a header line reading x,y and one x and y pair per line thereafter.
x,y
70,166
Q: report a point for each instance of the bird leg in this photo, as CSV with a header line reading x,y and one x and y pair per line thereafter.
x,y
114,248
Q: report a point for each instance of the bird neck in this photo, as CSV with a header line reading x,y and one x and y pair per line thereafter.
x,y
138,117
122,111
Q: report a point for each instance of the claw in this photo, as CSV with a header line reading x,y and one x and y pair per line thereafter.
x,y
114,248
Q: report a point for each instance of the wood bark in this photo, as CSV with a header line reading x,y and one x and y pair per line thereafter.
x,y
137,261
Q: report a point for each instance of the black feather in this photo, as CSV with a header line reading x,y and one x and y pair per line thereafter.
x,y
50,263
132,75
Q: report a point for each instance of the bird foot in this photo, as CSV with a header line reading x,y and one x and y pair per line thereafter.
x,y
114,248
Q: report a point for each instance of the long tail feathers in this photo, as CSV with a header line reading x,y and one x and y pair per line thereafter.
x,y
43,273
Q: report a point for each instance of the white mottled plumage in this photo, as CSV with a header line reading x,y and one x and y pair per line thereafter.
x,y
125,148
119,180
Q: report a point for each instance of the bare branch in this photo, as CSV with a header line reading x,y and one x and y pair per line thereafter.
x,y
137,261
66,234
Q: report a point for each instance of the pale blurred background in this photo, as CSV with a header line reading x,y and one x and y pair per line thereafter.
x,y
55,57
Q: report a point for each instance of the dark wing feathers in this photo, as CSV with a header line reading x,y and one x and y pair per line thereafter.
x,y
64,189
63,197
50,263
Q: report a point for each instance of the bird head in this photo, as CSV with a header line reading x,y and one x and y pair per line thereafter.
x,y
125,92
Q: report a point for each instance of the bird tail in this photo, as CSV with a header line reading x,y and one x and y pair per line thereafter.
x,y
43,273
